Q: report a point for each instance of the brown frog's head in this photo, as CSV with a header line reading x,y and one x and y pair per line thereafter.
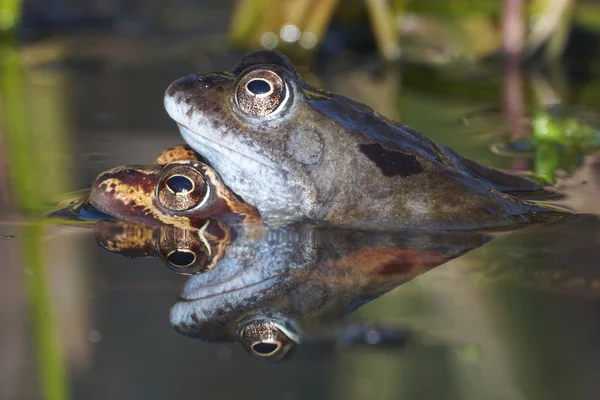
x,y
175,191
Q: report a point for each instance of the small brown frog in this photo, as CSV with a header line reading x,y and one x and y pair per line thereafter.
x,y
177,190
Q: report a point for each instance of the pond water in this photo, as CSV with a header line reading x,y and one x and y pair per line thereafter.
x,y
488,315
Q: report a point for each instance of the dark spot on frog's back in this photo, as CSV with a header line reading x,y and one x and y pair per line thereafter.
x,y
392,163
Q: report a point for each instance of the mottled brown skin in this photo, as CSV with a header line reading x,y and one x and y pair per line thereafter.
x,y
177,153
206,248
138,193
305,154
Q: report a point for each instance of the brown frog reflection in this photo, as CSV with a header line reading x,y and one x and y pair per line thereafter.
x,y
271,289
185,251
177,190
298,153
264,287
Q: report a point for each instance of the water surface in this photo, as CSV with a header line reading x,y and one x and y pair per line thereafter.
x,y
517,316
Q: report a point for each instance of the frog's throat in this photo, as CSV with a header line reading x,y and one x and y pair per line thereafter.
x,y
199,140
196,129
223,158
266,188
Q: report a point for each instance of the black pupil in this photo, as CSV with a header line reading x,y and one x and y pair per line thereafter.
x,y
264,348
259,86
180,184
181,258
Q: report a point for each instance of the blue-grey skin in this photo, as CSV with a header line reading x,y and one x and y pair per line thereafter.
x,y
304,154
275,283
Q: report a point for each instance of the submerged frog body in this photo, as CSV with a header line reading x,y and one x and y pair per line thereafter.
x,y
177,190
299,153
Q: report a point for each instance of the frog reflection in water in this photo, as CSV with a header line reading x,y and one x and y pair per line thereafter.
x,y
177,190
274,287
270,293
185,251
299,153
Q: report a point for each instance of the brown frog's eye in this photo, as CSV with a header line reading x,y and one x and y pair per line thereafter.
x,y
182,188
261,92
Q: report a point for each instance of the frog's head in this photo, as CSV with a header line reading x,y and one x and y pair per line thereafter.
x,y
255,127
182,193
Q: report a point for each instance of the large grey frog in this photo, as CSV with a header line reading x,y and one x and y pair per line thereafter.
x,y
299,153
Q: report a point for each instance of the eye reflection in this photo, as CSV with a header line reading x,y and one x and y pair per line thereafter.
x,y
265,349
181,258
267,340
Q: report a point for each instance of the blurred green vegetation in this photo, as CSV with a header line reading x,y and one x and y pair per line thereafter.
x,y
51,363
299,25
30,193
30,151
10,11
560,142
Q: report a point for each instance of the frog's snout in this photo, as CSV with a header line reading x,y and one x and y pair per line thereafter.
x,y
197,84
180,85
103,189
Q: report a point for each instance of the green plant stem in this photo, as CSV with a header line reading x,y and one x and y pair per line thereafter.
x,y
50,358
384,27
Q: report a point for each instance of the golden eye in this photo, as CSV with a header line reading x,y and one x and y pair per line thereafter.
x,y
261,92
181,188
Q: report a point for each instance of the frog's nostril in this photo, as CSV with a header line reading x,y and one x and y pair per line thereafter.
x,y
185,83
206,82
